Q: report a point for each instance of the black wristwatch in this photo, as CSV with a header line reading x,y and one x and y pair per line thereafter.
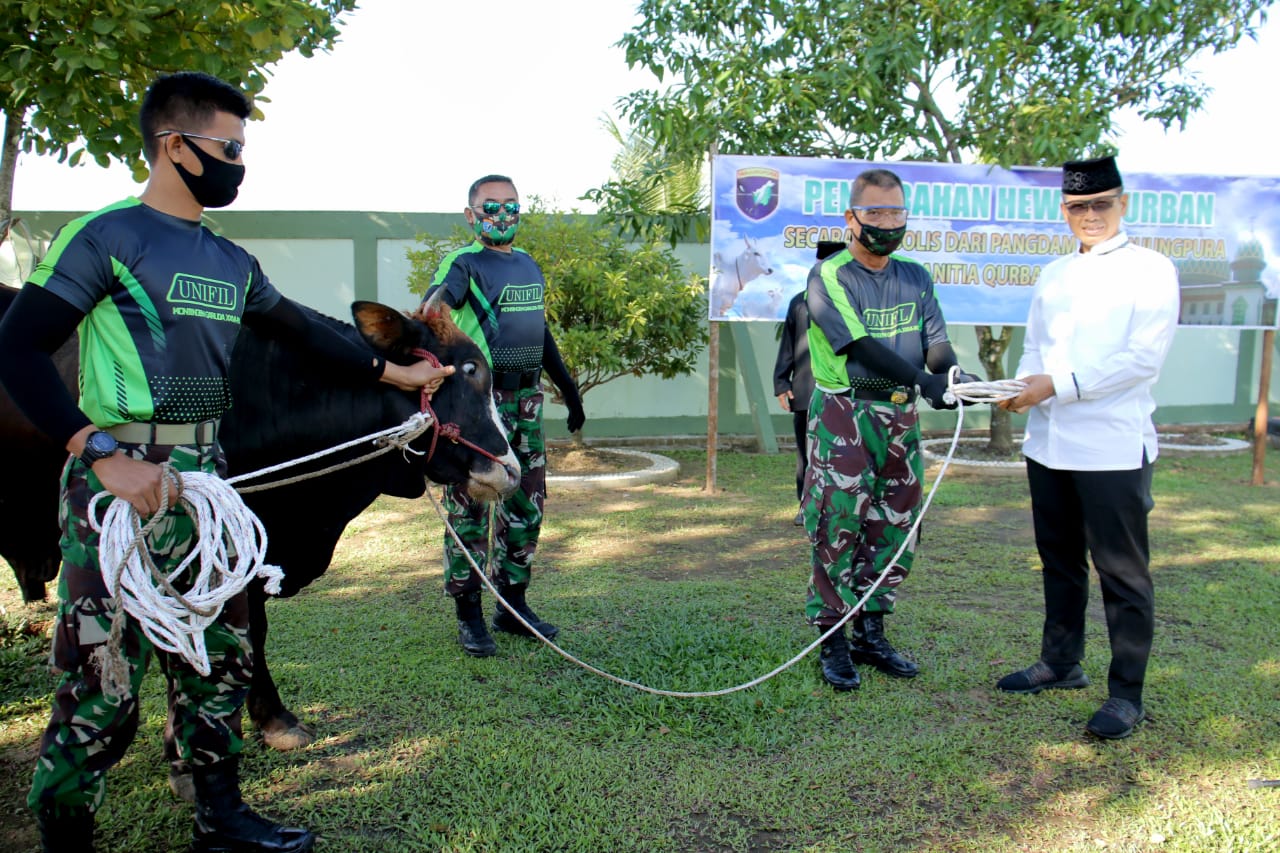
x,y
99,445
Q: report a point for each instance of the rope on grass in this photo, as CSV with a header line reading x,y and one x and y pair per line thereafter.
x,y
962,392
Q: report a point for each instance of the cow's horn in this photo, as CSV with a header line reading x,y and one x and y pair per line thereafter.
x,y
434,304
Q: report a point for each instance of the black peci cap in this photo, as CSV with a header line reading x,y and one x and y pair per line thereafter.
x,y
1086,177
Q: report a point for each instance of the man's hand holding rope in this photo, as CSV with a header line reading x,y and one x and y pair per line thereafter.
x,y
1039,388
138,482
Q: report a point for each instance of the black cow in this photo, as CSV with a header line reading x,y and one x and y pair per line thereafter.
x,y
29,487
285,407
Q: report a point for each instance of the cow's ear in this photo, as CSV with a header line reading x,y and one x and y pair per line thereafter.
x,y
384,328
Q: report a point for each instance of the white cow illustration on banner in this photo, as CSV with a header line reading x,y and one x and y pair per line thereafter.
x,y
732,275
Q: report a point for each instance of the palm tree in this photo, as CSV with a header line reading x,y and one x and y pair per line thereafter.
x,y
652,194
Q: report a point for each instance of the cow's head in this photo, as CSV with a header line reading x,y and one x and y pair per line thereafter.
x,y
464,399
753,262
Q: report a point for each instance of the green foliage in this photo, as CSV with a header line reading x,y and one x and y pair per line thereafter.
x,y
999,81
72,72
615,309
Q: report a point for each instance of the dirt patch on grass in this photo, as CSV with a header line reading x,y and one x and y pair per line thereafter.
x,y
570,461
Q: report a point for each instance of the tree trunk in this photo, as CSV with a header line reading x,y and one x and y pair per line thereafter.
x,y
13,117
991,350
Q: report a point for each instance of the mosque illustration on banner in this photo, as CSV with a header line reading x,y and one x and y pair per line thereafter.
x,y
1220,292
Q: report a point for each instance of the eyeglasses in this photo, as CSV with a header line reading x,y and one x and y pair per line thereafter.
x,y
491,208
231,148
881,214
1099,205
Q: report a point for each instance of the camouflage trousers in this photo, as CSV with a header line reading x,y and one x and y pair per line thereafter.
x,y
517,521
862,494
88,733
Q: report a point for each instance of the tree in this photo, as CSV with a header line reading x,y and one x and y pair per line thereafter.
x,y
653,193
72,72
615,309
1010,82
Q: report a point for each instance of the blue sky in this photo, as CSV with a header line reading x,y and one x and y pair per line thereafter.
x,y
399,116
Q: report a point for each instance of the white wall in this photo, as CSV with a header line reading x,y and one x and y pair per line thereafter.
x,y
318,273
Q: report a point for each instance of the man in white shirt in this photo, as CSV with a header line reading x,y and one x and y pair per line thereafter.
x,y
1101,322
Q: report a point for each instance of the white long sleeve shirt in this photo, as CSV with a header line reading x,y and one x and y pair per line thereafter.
x,y
1101,323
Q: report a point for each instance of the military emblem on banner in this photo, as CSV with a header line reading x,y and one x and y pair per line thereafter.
x,y
757,192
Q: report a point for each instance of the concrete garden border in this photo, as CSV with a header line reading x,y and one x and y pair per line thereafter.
x,y
651,468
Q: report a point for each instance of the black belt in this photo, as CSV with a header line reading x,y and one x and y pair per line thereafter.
x,y
898,396
516,381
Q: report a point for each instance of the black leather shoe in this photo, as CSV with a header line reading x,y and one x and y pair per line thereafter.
x,y
1115,719
837,668
1040,676
870,646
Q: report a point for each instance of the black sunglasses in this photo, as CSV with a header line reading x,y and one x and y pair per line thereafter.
x,y
491,208
231,148
1101,205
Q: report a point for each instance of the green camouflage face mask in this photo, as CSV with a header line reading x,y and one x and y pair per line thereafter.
x,y
881,241
498,230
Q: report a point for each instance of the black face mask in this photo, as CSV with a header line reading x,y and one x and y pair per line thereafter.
x,y
218,185
881,241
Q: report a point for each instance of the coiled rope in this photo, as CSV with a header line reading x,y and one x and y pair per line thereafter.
x,y
959,393
176,621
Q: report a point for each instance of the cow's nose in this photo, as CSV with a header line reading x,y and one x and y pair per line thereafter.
x,y
513,472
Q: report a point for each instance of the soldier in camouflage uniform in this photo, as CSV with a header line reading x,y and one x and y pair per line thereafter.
x,y
158,300
496,293
875,326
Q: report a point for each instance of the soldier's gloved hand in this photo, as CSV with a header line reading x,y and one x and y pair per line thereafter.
x,y
963,377
933,387
577,417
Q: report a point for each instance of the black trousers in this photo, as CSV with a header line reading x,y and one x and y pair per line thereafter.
x,y
799,423
1105,514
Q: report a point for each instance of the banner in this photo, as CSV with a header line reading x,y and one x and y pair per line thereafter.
x,y
984,233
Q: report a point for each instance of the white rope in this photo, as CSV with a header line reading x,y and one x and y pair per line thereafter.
x,y
230,546
386,440
227,554
983,392
973,392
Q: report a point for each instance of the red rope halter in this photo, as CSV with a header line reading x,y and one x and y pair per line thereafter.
x,y
450,431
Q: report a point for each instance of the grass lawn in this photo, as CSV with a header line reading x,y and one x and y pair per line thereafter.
x,y
421,748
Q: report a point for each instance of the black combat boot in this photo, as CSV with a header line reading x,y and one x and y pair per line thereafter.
x,y
837,668
870,646
224,824
472,633
505,622
65,829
